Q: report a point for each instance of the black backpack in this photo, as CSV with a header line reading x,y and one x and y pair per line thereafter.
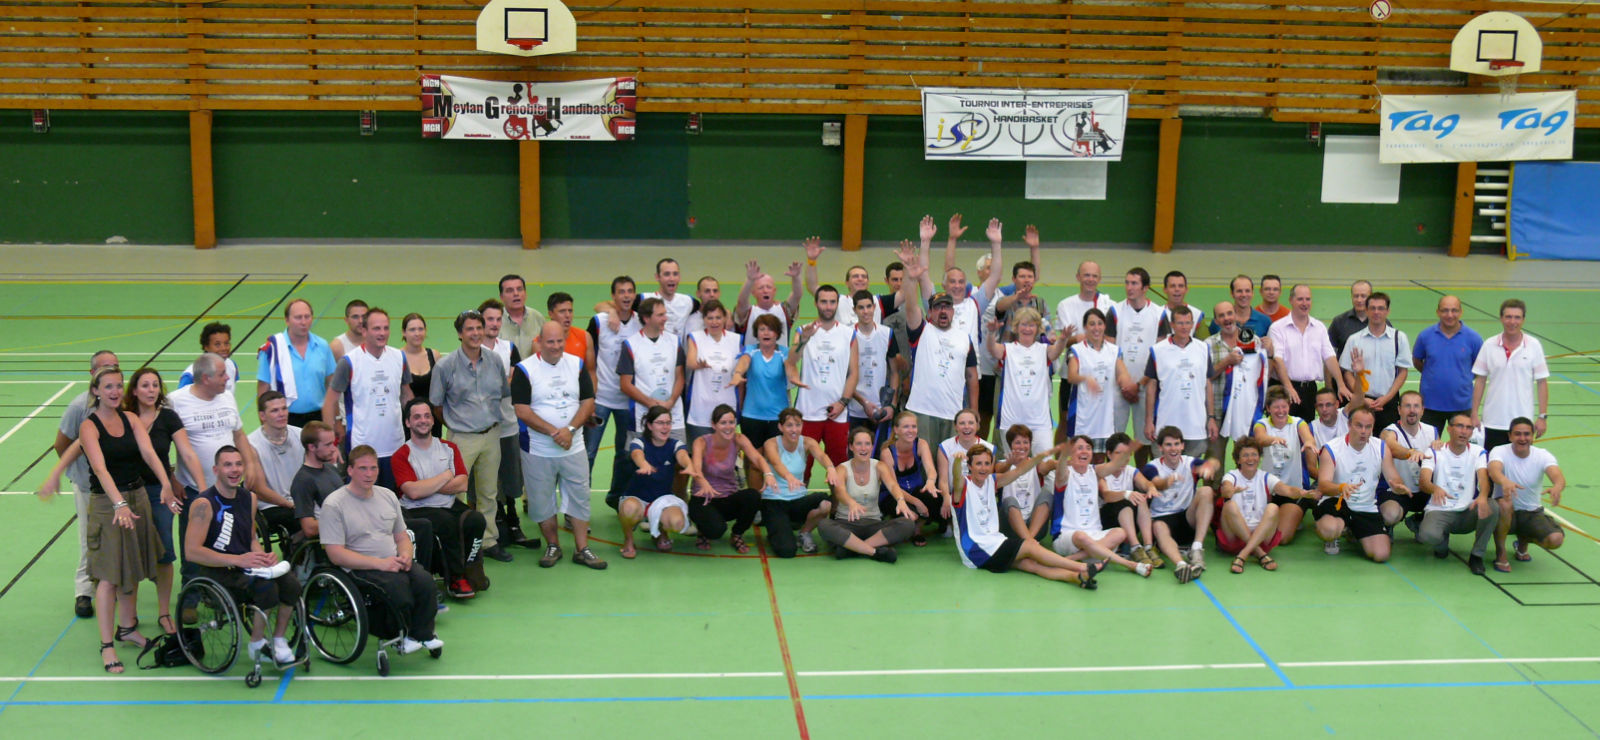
x,y
165,652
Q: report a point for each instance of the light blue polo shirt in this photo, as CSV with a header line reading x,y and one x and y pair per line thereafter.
x,y
310,374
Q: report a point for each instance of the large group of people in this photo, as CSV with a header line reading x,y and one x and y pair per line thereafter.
x,y
882,420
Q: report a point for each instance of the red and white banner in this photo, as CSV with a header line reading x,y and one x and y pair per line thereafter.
x,y
585,110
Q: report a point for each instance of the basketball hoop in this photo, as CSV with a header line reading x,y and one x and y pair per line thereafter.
x,y
525,44
1510,70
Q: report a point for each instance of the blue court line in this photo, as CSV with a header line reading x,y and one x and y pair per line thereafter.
x,y
1246,635
283,684
810,697
1575,383
36,666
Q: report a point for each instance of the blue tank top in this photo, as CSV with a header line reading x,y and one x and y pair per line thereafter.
x,y
664,458
911,477
766,386
795,463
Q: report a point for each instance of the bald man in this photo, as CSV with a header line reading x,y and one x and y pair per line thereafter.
x,y
762,289
1069,316
1443,354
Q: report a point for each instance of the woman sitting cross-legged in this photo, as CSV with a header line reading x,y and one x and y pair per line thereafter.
x,y
857,526
1248,521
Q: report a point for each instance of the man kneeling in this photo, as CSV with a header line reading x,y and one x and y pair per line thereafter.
x,y
220,540
362,530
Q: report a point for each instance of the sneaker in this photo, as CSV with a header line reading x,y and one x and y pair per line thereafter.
x,y
807,544
1442,553
1475,564
842,553
282,654
497,552
1140,555
254,649
433,644
587,557
1182,572
1155,557
552,555
1197,558
409,646
1331,547
885,554
443,608
460,589
83,606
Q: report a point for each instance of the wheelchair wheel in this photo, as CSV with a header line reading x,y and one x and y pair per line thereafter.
x,y
335,616
383,663
208,632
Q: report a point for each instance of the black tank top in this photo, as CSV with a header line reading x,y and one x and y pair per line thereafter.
x,y
422,383
121,455
232,524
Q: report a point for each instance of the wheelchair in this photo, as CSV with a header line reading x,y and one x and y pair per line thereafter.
x,y
341,611
211,627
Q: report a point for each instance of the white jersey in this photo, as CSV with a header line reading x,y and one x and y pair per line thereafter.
x,y
1176,497
708,386
1288,460
1422,439
1324,434
372,401
1199,317
1122,480
967,319
187,376
655,370
554,399
939,372
1093,413
1137,330
824,368
1243,390
1075,507
1251,495
209,424
847,313
946,451
977,522
1027,492
1527,472
1456,474
778,311
872,364
1362,469
607,387
678,310
1024,392
1070,311
1182,374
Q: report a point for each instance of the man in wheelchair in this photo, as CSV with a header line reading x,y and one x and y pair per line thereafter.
x,y
220,542
362,530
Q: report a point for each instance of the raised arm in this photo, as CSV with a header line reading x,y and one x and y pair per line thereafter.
x,y
741,308
996,262
915,271
792,303
813,247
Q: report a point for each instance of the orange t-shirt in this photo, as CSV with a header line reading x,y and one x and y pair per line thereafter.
x,y
577,343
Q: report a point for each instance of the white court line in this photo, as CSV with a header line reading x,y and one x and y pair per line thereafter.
x,y
29,382
828,674
36,411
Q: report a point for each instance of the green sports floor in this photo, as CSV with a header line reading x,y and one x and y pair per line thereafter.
x,y
721,645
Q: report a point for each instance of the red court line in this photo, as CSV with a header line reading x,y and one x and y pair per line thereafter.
x,y
783,642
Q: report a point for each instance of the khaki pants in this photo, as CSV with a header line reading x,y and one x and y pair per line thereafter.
x,y
481,454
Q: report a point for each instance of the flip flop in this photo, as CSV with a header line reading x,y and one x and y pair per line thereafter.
x,y
629,552
701,543
664,543
1520,552
1502,566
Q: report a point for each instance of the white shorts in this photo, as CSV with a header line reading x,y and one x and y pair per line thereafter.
x,y
1122,412
1063,542
659,507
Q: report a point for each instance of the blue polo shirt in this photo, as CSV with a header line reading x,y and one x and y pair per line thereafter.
x,y
310,374
1258,323
1446,364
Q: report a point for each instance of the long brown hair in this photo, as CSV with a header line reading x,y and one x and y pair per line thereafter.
x,y
130,402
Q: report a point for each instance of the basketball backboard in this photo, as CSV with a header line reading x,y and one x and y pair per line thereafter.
x,y
1492,44
526,28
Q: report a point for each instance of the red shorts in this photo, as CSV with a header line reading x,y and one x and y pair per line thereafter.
x,y
834,438
1232,546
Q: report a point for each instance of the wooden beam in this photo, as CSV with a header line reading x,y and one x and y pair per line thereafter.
x,y
855,149
205,212
1461,225
528,192
1167,183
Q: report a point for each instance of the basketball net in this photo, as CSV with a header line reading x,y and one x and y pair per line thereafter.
x,y
1507,83
525,44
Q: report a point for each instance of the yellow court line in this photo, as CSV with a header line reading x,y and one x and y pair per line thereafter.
x,y
1564,355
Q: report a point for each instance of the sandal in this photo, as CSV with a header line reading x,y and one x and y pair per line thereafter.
x,y
114,666
168,627
1237,567
701,543
629,552
1268,563
738,544
1520,552
1086,580
123,633
664,543
919,540
1502,566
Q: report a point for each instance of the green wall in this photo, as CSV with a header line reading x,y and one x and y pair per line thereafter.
x,y
312,176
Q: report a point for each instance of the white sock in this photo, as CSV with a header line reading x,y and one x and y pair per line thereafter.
x,y
1198,546
257,645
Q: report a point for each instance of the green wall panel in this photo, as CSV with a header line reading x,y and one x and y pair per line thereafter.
x,y
1259,182
618,190
95,175
765,177
313,176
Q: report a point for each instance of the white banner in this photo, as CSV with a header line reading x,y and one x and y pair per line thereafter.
x,y
961,123
1477,128
586,110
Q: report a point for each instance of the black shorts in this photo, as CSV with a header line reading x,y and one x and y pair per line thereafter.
x,y
1178,525
1002,558
1304,504
263,593
1413,503
1533,526
758,431
1109,512
1360,523
986,386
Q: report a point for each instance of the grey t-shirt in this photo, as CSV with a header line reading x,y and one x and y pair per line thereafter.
x,y
71,419
278,462
365,525
311,487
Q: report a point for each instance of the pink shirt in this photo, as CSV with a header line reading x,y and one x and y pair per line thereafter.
x,y
1303,352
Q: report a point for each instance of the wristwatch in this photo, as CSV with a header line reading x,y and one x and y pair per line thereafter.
x,y
1544,416
571,429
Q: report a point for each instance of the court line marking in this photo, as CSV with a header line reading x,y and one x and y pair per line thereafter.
x,y
868,673
783,640
1251,641
36,411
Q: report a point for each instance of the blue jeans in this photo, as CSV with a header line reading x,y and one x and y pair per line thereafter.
x,y
621,420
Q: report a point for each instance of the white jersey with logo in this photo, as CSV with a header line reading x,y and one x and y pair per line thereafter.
x,y
778,311
1122,480
1093,413
607,387
655,369
1325,434
1244,388
1362,469
1070,311
1027,492
555,399
1181,397
977,522
939,372
1075,507
1288,460
678,310
872,364
1252,495
1137,331
1456,474
372,402
1176,497
708,386
1422,439
824,368
967,319
1527,472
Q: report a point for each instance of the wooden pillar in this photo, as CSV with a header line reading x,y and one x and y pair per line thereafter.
x,y
205,212
1461,225
528,192
1167,183
855,149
